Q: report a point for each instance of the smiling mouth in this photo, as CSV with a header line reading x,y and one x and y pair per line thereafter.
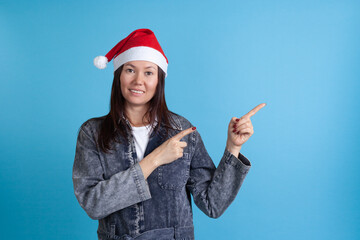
x,y
136,91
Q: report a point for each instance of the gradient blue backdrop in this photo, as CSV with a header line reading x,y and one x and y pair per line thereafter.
x,y
302,58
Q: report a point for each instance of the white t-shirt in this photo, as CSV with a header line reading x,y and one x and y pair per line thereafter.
x,y
141,138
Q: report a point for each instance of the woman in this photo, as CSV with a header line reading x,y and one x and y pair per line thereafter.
x,y
135,168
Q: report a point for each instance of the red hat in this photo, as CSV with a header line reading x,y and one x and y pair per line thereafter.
x,y
141,44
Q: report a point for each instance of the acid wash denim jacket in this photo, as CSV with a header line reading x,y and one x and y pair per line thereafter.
x,y
111,187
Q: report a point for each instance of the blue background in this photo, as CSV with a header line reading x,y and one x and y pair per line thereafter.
x,y
302,58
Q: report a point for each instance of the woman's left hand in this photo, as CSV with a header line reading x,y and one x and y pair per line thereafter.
x,y
241,129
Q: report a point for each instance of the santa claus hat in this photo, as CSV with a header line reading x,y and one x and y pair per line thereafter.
x,y
141,44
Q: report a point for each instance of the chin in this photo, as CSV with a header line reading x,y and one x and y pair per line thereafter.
x,y
137,103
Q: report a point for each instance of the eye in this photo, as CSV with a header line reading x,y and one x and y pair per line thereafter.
x,y
129,70
149,73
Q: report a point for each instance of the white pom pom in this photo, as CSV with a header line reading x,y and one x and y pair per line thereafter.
x,y
100,62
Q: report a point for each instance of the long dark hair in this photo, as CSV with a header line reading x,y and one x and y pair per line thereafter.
x,y
114,124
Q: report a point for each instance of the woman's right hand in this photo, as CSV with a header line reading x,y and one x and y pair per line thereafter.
x,y
171,149
167,152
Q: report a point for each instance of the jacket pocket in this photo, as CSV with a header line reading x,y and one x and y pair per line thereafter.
x,y
173,176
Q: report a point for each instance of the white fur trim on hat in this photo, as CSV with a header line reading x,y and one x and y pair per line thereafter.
x,y
141,53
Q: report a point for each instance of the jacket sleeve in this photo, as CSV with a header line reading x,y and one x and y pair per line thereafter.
x,y
214,189
100,197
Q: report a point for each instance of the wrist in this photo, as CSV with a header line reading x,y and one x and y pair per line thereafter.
x,y
148,165
153,160
232,147
235,150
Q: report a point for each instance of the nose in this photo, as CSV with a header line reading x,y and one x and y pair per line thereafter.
x,y
139,80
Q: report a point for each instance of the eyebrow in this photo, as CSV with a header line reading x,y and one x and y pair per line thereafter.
x,y
129,64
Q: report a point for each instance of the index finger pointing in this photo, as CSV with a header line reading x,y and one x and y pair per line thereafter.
x,y
183,133
254,110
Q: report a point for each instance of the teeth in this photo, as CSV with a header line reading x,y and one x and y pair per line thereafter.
x,y
136,91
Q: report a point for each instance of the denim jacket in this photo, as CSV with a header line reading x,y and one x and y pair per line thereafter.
x,y
111,187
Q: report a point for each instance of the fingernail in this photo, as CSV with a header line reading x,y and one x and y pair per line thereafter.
x,y
237,120
193,128
234,126
238,132
234,130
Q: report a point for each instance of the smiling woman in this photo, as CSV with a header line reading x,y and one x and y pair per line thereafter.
x,y
136,167
138,84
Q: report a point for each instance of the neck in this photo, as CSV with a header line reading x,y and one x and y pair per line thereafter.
x,y
135,115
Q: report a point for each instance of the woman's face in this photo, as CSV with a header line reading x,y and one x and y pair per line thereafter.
x,y
138,81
